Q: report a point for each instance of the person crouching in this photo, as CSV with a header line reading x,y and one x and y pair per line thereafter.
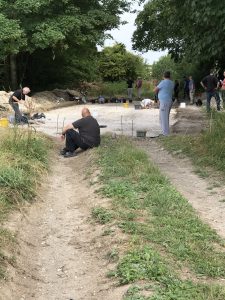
x,y
83,133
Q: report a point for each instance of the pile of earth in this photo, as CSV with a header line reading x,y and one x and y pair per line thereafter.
x,y
41,101
190,120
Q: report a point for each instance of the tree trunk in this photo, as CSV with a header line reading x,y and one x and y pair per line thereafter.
x,y
13,72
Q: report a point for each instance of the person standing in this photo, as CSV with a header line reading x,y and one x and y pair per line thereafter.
x,y
165,94
18,97
87,136
186,88
222,91
139,87
130,83
191,90
176,91
210,83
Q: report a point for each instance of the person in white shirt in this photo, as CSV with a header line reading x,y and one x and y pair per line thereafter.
x,y
147,103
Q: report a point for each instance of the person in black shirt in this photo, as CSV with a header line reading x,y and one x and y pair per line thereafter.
x,y
176,91
18,97
130,83
186,88
210,83
88,135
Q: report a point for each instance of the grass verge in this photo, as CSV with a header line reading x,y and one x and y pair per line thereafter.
x,y
206,149
23,159
168,235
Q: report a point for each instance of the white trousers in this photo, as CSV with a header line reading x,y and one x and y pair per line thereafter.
x,y
164,115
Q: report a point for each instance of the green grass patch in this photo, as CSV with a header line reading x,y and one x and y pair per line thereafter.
x,y
23,159
101,215
142,264
206,149
149,208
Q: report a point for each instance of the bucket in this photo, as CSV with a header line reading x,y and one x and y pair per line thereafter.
x,y
141,133
4,122
182,105
126,105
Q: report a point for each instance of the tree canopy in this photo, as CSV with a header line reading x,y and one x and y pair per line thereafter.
x,y
30,25
191,28
116,63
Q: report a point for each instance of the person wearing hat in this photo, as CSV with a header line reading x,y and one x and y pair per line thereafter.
x,y
15,99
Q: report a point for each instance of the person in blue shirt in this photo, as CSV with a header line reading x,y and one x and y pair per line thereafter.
x,y
165,94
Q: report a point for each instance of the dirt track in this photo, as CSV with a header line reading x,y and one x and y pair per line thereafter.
x,y
62,254
206,195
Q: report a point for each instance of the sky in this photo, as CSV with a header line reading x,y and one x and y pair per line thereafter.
x,y
124,35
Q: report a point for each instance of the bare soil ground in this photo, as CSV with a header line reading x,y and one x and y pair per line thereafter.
x,y
61,253
116,117
206,195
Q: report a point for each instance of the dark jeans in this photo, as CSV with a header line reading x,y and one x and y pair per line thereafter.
x,y
209,97
18,115
74,141
186,95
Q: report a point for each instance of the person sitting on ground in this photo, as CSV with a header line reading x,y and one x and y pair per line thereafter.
x,y
18,97
147,103
88,135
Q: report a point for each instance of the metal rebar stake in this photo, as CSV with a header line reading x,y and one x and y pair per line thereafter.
x,y
121,120
132,128
57,125
63,123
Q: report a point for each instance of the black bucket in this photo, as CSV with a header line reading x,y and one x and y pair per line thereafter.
x,y
141,133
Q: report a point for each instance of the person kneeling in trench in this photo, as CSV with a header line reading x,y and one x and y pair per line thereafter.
x,y
87,136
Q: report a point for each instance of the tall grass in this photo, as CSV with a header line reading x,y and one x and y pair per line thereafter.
x,y
169,237
119,90
206,149
23,159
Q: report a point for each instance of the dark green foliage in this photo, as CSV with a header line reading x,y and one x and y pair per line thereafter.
x,y
192,29
67,31
117,64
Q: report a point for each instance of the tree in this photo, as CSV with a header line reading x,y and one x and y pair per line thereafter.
x,y
191,29
165,63
117,64
179,69
30,25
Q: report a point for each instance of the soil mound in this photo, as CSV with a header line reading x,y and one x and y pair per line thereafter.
x,y
190,120
41,101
